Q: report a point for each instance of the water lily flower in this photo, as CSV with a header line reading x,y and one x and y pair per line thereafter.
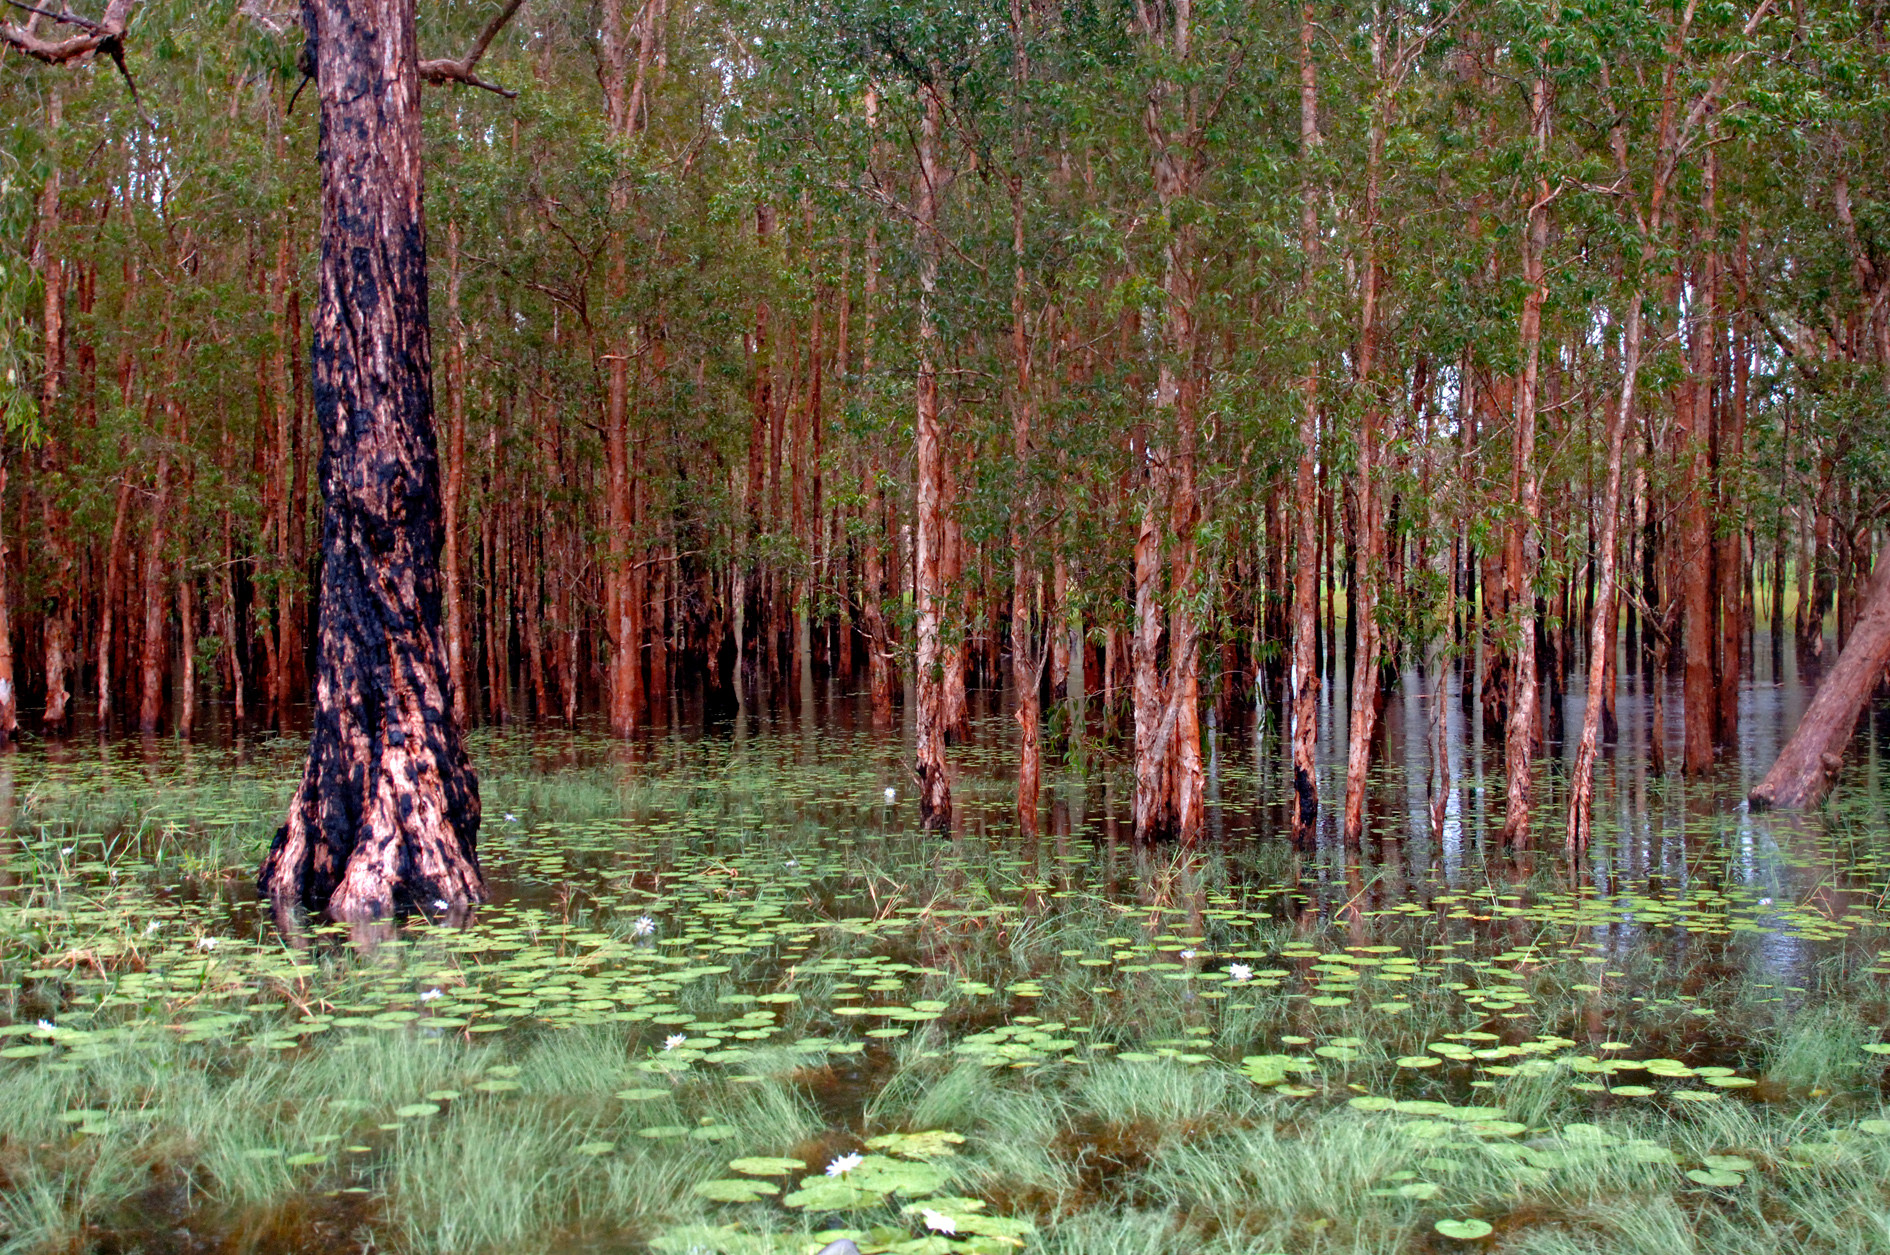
x,y
1187,954
892,794
1240,971
440,904
845,1164
673,1040
1765,901
46,1026
430,995
938,1221
65,851
206,943
644,926
511,818
152,927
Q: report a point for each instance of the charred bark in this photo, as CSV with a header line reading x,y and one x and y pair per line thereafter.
x,y
388,808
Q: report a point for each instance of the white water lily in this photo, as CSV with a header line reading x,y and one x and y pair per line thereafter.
x,y
206,943
441,904
1187,954
65,851
430,995
845,1164
46,1026
892,794
510,818
673,1040
938,1221
1240,971
152,927
644,926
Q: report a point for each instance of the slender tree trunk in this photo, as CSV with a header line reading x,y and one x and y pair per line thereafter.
x,y
388,808
453,489
59,589
1363,611
1601,630
1692,425
187,640
9,700
1520,738
1026,665
155,640
1304,678
935,797
108,607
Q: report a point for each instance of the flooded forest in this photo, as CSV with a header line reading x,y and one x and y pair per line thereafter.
x,y
1097,627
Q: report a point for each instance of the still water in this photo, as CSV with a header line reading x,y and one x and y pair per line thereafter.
x,y
740,901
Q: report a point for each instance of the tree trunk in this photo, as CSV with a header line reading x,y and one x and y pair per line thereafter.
x,y
1601,630
1362,613
187,630
9,702
1693,421
1026,669
935,795
155,639
108,608
453,489
388,808
1304,677
1810,761
1520,736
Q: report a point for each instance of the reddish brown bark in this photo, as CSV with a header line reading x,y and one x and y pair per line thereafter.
x,y
453,488
1303,677
1521,733
1810,761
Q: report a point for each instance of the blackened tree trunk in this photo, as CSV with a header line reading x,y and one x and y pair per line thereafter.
x,y
388,809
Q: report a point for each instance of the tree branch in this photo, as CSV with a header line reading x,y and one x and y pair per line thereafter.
x,y
441,72
103,36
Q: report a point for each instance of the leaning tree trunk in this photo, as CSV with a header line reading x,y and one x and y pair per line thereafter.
x,y
388,808
1810,760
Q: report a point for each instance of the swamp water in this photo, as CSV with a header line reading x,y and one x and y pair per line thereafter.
x,y
729,999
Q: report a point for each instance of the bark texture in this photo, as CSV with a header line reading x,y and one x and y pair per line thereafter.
x,y
388,808
1811,759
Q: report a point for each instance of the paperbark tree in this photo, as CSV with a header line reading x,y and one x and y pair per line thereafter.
x,y
1810,761
935,793
1519,743
388,809
1304,675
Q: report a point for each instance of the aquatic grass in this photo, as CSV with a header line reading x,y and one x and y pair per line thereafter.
x,y
1819,1050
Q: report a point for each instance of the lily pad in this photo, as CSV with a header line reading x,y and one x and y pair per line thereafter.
x,y
736,1190
1467,1230
762,1166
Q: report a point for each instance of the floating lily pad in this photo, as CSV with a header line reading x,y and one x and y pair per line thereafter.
x,y
736,1190
1465,1230
766,1167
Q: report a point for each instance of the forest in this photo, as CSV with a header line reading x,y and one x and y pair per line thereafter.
x,y
1168,359
650,469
